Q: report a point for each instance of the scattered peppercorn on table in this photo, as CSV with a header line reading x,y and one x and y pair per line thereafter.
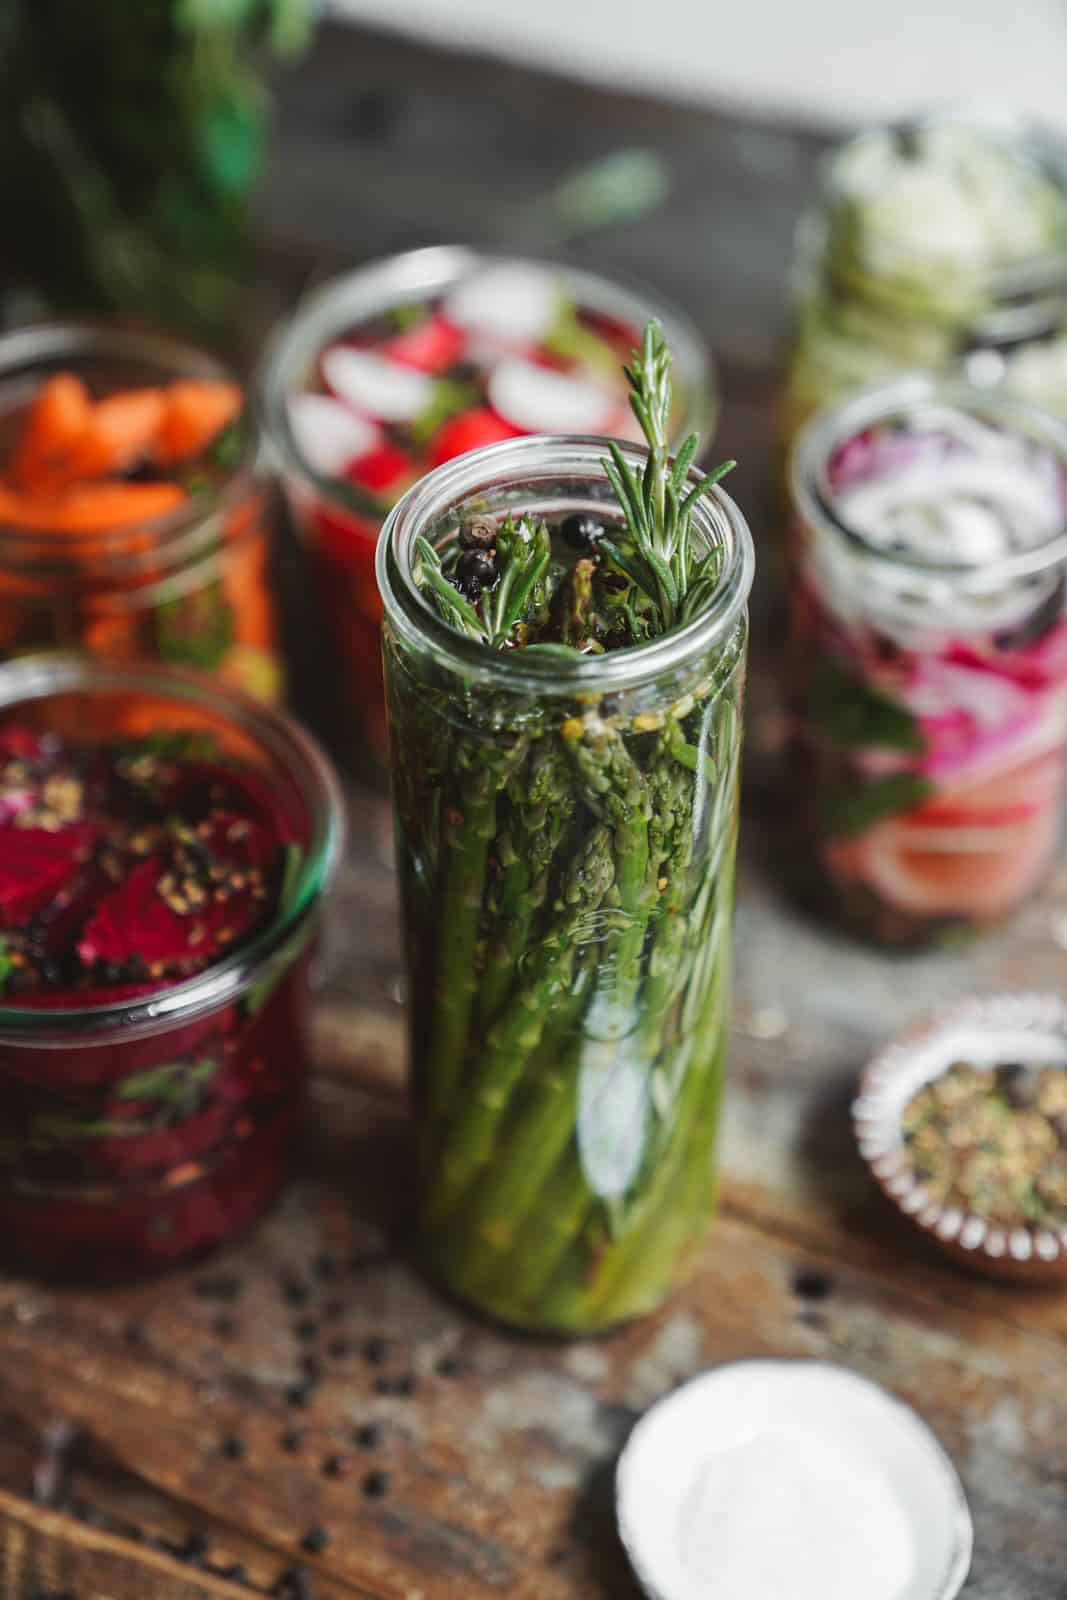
x,y
302,1416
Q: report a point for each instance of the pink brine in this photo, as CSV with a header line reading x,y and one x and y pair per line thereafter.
x,y
929,651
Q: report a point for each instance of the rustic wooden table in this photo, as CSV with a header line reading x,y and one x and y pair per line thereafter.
x,y
301,1415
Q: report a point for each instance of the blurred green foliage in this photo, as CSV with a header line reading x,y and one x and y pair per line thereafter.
x,y
131,133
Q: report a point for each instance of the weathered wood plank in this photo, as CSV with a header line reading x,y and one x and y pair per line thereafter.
x,y
499,1459
43,1553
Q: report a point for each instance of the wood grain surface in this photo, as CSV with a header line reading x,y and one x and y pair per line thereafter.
x,y
183,1440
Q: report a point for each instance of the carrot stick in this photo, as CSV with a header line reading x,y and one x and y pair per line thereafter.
x,y
90,507
195,412
121,429
56,421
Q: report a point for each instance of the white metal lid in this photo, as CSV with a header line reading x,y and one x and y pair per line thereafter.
x,y
795,1478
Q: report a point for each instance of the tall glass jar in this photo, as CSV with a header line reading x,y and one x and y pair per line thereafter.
x,y
927,661
140,1133
566,836
940,243
339,515
190,587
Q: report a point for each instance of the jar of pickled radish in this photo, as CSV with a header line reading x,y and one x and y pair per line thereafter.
x,y
940,243
927,659
132,511
409,362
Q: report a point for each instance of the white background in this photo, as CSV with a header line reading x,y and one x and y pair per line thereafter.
x,y
823,62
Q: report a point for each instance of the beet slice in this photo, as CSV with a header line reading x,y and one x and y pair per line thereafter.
x,y
36,864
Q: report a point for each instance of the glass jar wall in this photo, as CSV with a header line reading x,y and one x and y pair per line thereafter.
x,y
154,960
927,659
938,244
132,518
566,837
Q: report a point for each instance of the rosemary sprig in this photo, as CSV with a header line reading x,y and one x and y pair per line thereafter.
x,y
658,503
517,598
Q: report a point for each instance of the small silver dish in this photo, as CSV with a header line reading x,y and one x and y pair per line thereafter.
x,y
986,1030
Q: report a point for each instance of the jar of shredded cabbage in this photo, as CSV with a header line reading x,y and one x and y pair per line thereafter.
x,y
937,244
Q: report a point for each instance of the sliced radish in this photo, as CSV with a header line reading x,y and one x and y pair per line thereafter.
x,y
471,430
509,301
431,346
329,434
539,400
376,386
381,469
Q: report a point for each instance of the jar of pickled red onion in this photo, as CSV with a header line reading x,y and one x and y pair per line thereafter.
x,y
927,656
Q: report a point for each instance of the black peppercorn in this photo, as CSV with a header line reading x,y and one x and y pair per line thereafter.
x,y
375,1485
374,1349
582,532
194,1550
315,1541
1019,1085
477,535
294,1584
476,567
811,1284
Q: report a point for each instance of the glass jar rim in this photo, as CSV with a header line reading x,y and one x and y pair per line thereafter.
x,y
528,459
892,398
31,678
175,536
368,290
1039,146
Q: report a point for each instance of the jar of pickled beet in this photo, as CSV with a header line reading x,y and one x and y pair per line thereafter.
x,y
939,243
411,361
927,662
132,506
165,847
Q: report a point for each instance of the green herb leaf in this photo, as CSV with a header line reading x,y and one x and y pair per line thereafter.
x,y
449,398
58,1129
7,965
260,992
407,315
294,861
857,717
658,515
852,808
197,629
168,1083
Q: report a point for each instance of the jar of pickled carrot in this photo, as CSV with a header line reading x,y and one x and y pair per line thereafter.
x,y
927,661
132,508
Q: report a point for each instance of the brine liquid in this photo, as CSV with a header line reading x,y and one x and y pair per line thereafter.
x,y
929,710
